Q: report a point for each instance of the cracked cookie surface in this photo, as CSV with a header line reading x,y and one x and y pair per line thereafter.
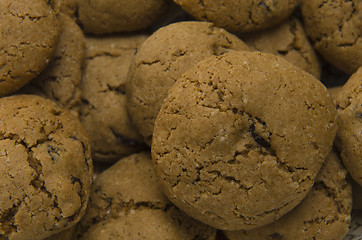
x,y
325,213
240,138
29,35
46,168
289,41
162,58
109,16
240,15
126,203
60,80
103,109
349,137
335,28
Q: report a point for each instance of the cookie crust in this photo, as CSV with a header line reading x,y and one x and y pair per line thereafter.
x,y
240,138
29,35
46,170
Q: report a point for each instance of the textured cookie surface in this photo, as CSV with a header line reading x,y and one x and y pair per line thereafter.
x,y
108,16
46,169
103,110
126,203
349,135
335,28
162,59
324,214
60,81
29,34
289,41
240,15
240,138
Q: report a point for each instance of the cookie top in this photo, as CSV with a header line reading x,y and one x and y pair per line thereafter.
x,y
240,138
162,58
109,16
349,138
240,15
127,203
29,35
335,28
103,110
60,81
289,41
323,214
46,170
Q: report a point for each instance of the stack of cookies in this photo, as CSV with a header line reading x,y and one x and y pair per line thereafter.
x,y
191,119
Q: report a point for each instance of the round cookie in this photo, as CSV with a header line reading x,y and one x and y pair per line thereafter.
x,y
29,34
103,110
109,16
325,213
240,138
127,203
335,28
46,170
349,138
162,58
60,81
289,41
240,15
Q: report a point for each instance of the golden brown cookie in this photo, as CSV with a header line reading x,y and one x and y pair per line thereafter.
x,y
240,138
289,41
103,110
109,16
60,81
46,170
240,15
349,135
323,214
335,28
162,58
126,203
29,34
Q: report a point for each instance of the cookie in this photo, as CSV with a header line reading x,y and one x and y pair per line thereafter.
x,y
109,16
349,138
103,110
162,58
289,41
240,138
60,81
325,213
29,35
240,15
126,203
335,28
46,170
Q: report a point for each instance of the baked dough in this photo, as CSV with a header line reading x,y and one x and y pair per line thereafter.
x,y
240,138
